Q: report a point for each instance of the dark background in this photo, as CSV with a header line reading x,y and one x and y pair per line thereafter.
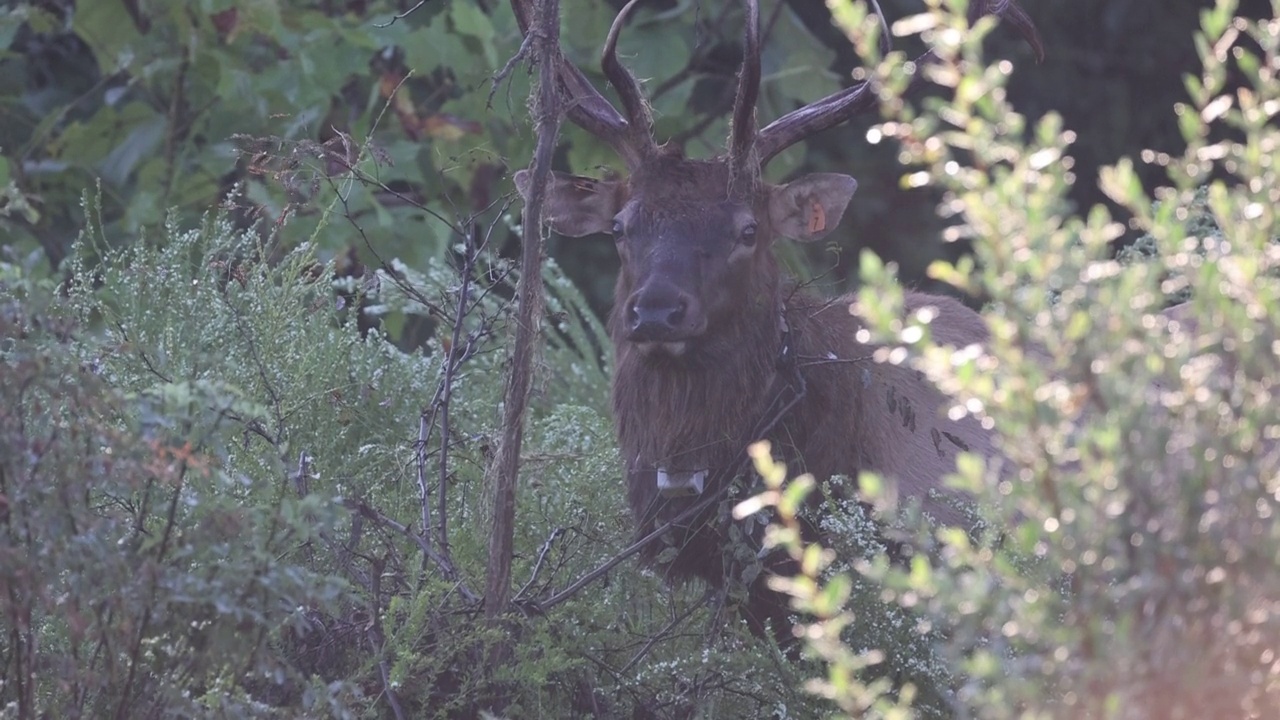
x,y
165,106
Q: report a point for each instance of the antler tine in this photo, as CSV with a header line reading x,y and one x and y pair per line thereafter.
x,y
628,88
743,137
586,107
813,118
841,106
1012,13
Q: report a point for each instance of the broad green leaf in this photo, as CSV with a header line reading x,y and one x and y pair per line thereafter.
x,y
107,27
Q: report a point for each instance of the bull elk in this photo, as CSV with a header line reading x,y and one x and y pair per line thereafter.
x,y
709,334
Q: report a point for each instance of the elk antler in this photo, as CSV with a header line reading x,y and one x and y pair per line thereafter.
x,y
742,140
1010,12
839,107
633,100
630,136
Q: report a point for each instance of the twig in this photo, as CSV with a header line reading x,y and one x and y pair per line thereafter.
x,y
700,52
526,47
134,656
725,99
420,461
384,671
446,567
377,638
542,556
453,358
301,478
663,632
400,16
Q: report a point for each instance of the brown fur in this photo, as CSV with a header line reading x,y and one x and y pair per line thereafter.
x,y
682,223
857,414
702,309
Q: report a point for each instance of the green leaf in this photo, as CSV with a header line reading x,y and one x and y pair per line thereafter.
x,y
921,573
1189,123
429,47
1214,22
833,596
944,271
1248,61
794,494
469,19
971,466
143,140
1078,326
1121,183
108,29
870,485
655,50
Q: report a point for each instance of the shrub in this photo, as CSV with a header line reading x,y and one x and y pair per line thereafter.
x,y
1134,567
227,517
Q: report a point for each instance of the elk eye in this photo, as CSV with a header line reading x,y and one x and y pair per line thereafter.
x,y
749,235
617,229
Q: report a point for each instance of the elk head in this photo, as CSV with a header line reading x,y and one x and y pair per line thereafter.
x,y
695,236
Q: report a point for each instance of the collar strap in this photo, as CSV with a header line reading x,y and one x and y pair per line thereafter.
x,y
673,484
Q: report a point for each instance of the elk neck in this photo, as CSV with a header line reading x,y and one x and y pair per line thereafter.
x,y
691,412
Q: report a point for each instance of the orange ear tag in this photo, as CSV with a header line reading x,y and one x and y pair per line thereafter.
x,y
817,218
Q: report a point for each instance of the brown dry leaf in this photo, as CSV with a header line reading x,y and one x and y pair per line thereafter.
x,y
391,87
444,126
227,23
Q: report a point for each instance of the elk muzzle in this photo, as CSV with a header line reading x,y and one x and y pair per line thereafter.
x,y
662,314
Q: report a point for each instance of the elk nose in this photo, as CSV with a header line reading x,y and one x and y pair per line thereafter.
x,y
656,317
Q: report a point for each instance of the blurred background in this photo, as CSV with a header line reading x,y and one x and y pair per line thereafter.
x,y
163,106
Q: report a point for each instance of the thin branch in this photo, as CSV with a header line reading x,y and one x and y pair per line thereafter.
x,y
446,567
420,461
377,639
302,478
663,632
526,47
454,357
542,556
724,101
400,16
701,50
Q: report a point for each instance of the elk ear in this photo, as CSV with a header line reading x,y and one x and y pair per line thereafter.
x,y
577,205
807,209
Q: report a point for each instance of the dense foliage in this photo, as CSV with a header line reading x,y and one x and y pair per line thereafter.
x,y
169,104
255,310
1136,570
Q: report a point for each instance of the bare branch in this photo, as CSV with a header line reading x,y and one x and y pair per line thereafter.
x,y
661,634
377,639
400,16
425,421
302,478
446,567
542,556
506,466
454,357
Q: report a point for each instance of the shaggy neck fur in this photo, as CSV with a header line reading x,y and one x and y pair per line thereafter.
x,y
687,413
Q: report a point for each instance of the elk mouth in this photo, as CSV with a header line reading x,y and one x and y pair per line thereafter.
x,y
672,349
